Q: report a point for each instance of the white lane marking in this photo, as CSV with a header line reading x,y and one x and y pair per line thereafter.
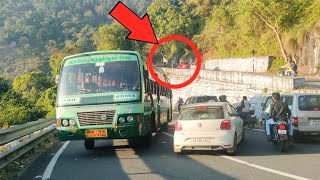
x,y
265,168
255,129
167,134
257,166
48,171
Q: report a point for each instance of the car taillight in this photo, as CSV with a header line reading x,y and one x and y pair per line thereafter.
x,y
282,127
225,125
295,122
178,126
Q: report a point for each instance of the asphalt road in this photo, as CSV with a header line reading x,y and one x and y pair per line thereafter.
x,y
256,159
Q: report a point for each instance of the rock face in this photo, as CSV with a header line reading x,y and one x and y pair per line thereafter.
x,y
308,52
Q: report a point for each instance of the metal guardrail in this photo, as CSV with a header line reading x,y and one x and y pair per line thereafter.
x,y
16,141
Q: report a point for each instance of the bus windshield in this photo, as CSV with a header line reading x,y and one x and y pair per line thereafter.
x,y
99,82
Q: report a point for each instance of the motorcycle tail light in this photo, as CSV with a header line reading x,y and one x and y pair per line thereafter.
x,y
295,122
282,127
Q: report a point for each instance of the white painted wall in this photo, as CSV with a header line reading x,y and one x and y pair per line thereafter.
x,y
250,64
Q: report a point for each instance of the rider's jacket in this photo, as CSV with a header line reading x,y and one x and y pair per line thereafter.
x,y
279,110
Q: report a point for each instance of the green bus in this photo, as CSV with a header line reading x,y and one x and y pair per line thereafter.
x,y
110,95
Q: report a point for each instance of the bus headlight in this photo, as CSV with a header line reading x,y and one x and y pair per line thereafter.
x,y
122,120
72,122
130,119
65,122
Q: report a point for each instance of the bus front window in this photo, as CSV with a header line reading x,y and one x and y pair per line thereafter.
x,y
92,78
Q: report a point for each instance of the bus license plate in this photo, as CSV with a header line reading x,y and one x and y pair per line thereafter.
x,y
96,133
282,131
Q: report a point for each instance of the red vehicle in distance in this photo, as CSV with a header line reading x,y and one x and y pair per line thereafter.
x,y
184,64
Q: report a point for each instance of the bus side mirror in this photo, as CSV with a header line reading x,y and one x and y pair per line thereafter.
x,y
146,73
57,79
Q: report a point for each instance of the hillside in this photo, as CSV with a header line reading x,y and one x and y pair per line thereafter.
x,y
31,29
34,33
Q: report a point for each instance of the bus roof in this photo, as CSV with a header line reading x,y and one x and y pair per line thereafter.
x,y
102,52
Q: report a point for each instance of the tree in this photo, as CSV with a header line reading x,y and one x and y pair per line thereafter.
x,y
17,110
31,85
112,37
47,101
4,87
279,16
174,17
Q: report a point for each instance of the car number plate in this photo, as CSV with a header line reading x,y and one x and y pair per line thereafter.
x,y
316,122
201,141
96,133
282,131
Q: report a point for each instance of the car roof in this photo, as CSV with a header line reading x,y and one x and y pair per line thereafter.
x,y
295,94
299,94
205,104
201,96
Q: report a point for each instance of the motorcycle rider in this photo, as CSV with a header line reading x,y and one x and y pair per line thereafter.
x,y
278,110
180,103
244,107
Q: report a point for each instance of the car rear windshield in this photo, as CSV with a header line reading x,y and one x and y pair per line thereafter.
x,y
309,103
198,113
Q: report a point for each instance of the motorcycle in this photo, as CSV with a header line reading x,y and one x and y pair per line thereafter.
x,y
280,135
249,118
287,73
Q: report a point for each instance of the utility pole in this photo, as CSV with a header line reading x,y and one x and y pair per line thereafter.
x,y
253,52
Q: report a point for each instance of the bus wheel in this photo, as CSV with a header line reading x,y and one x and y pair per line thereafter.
x,y
89,144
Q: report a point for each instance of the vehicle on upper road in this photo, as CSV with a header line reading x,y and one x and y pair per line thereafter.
x,y
305,112
110,95
183,64
208,126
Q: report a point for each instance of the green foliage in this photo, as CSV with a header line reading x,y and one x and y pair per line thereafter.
x,y
265,90
112,37
276,65
4,87
31,85
17,110
171,17
34,28
47,101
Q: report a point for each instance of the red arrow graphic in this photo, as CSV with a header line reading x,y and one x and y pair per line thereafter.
x,y
141,29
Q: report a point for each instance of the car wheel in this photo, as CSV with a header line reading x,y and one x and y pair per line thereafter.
x,y
233,151
243,137
178,151
89,144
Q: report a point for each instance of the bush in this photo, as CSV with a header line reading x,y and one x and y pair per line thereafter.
x,y
16,110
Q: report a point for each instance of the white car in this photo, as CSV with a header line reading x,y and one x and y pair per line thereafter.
x,y
208,126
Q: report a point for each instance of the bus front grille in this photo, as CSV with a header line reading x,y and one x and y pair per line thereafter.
x,y
95,118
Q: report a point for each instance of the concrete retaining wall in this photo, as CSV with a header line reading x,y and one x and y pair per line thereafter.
x,y
234,85
251,64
